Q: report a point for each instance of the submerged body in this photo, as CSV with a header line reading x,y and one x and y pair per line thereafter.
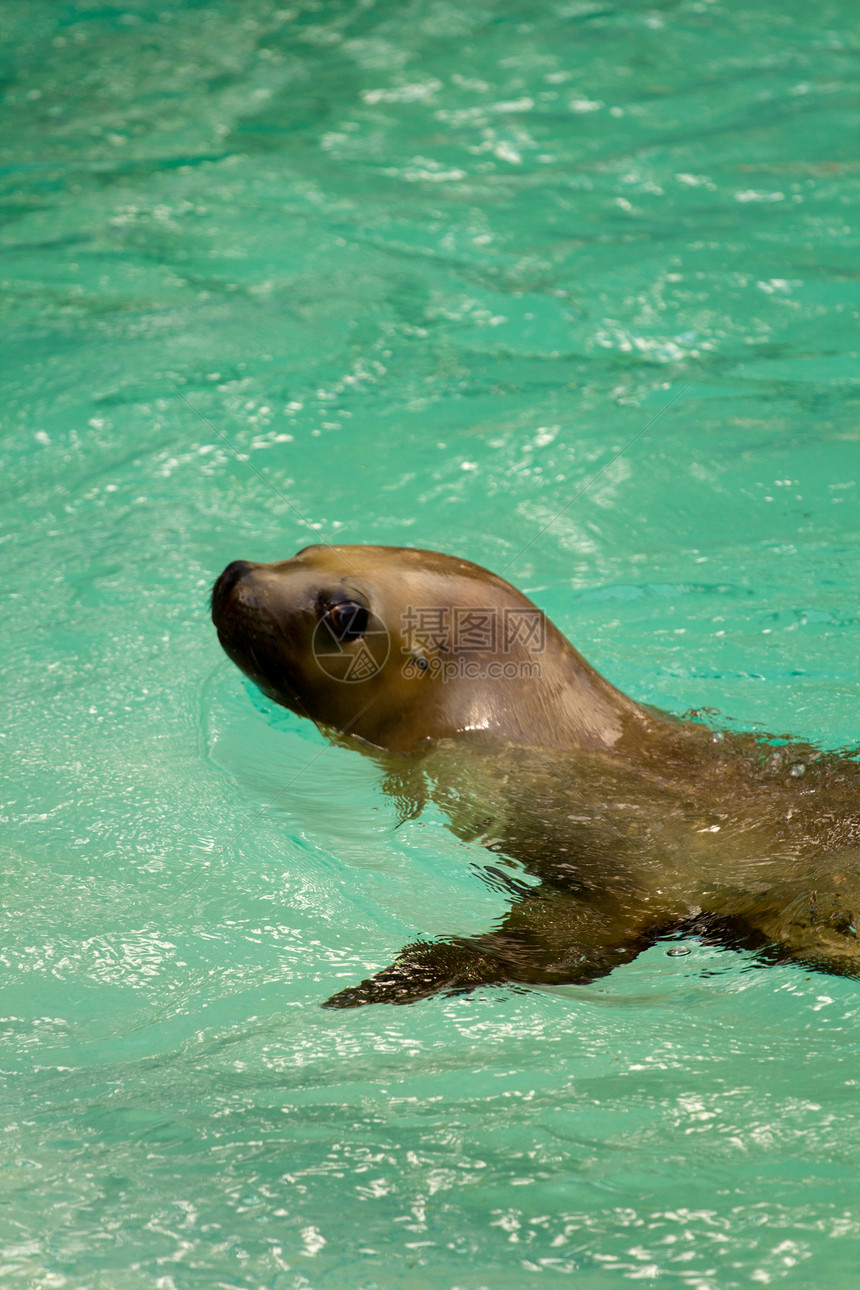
x,y
635,825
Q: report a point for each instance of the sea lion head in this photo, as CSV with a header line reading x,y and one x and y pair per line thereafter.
x,y
396,646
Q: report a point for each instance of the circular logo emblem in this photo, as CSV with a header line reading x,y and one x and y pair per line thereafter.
x,y
350,643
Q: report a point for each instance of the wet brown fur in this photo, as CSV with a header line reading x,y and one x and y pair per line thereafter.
x,y
634,824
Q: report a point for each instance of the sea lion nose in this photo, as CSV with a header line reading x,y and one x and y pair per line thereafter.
x,y
226,583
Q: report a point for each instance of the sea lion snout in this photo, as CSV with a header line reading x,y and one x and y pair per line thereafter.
x,y
239,604
225,585
237,613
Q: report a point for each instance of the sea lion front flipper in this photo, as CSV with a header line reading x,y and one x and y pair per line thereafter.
x,y
422,969
551,937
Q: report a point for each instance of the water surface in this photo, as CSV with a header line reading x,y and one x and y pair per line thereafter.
x,y
568,288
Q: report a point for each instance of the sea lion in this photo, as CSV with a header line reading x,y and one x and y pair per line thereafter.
x,y
636,825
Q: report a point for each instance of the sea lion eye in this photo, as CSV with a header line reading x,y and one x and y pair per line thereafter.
x,y
348,620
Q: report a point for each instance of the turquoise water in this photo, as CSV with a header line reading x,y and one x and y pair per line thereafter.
x,y
569,288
